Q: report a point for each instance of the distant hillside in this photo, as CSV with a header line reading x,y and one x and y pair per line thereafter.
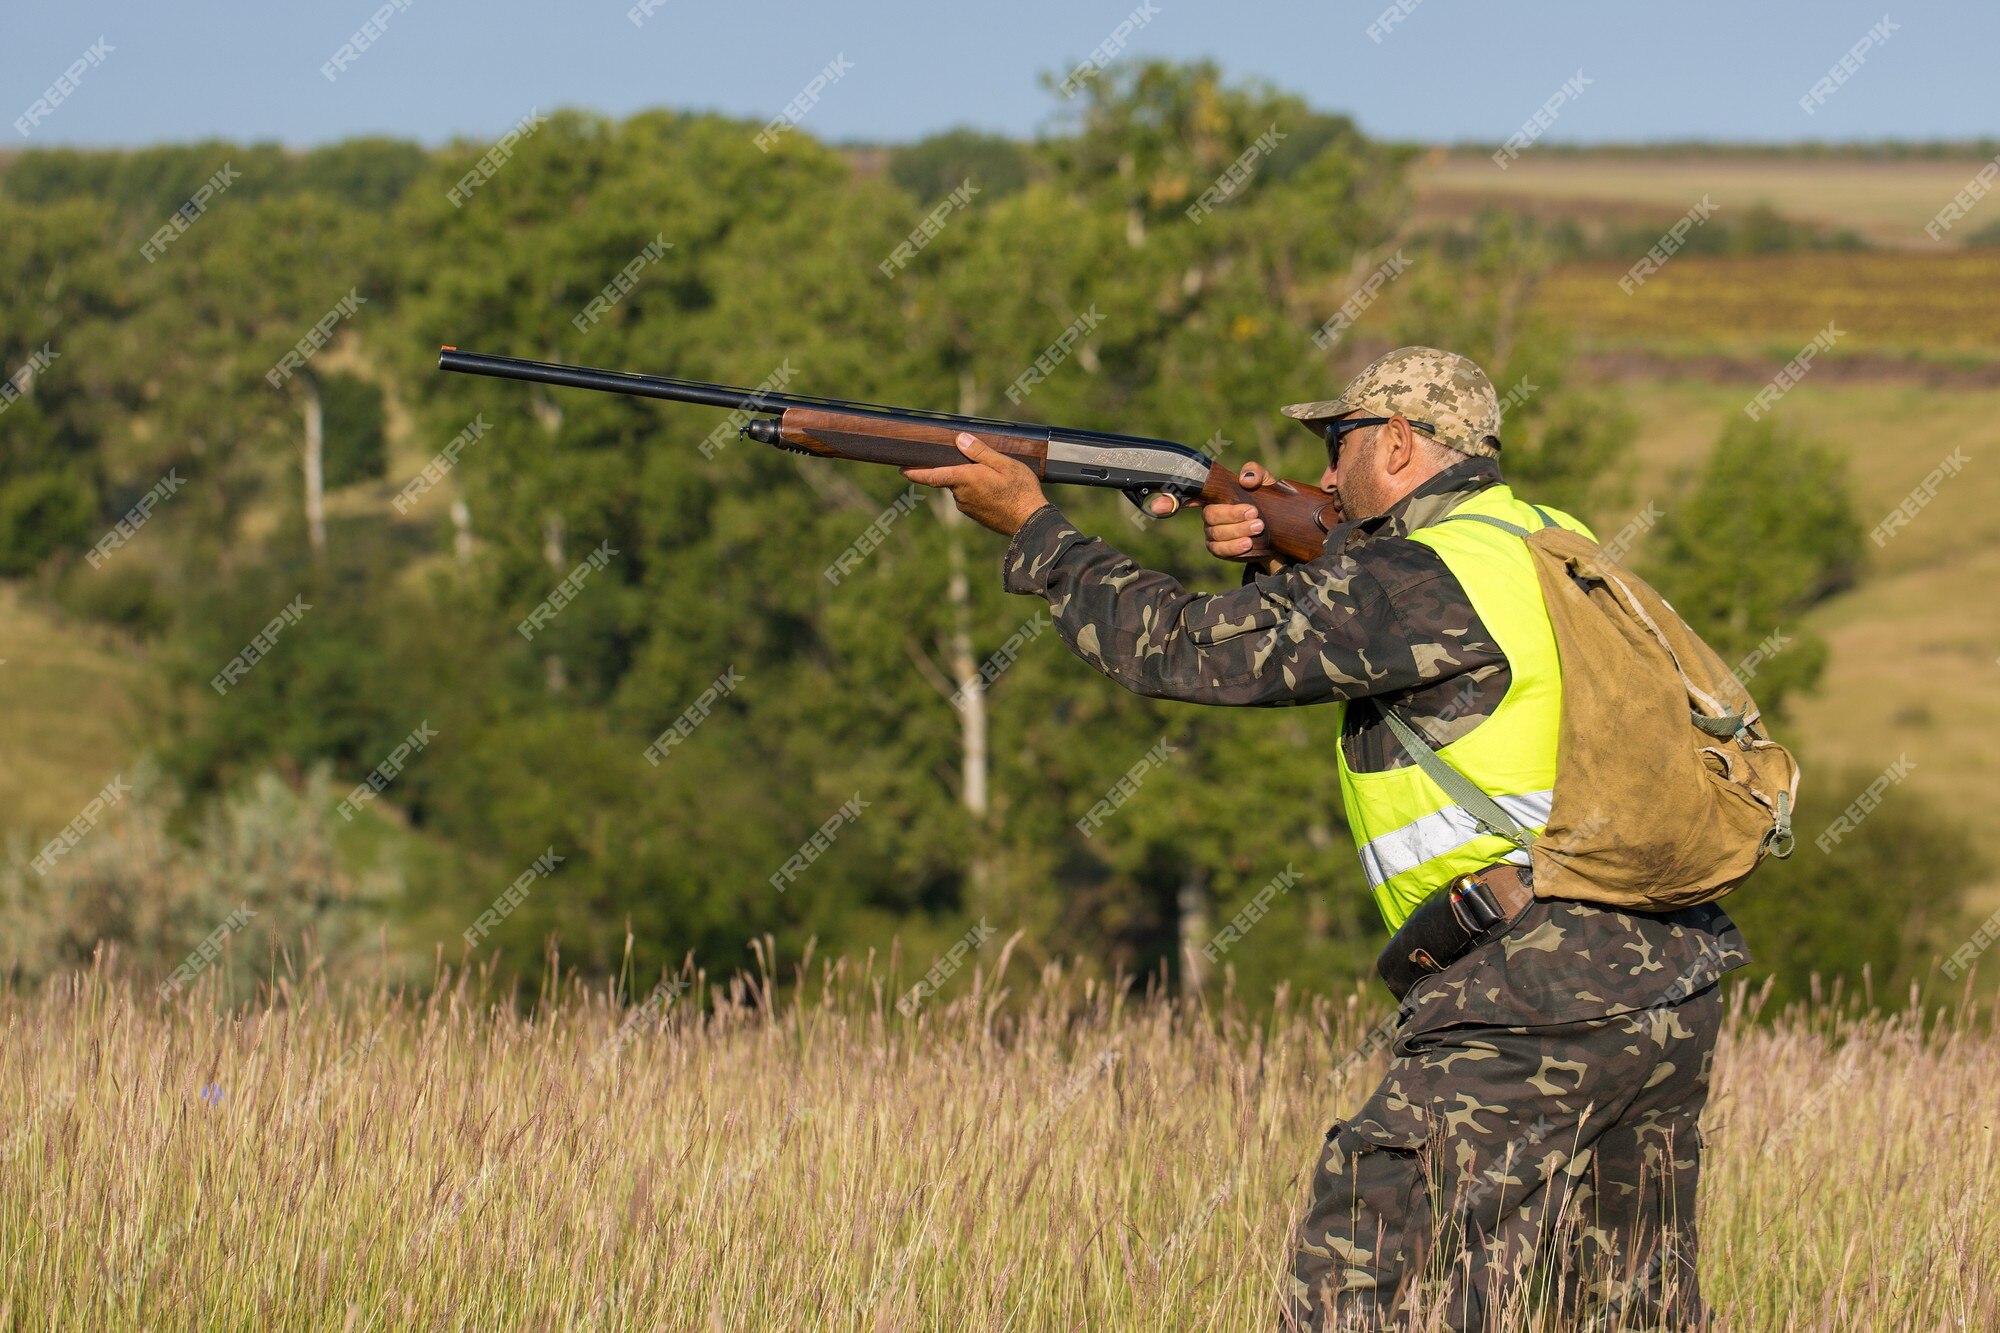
x,y
1887,198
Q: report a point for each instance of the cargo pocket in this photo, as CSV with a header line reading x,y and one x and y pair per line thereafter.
x,y
1375,1151
1368,1211
1212,624
1394,1123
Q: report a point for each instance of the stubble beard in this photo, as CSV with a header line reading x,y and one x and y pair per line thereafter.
x,y
1356,502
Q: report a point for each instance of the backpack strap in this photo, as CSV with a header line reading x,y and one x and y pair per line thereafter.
x,y
1502,523
1499,523
1485,811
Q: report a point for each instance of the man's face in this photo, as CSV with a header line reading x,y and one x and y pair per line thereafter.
x,y
1354,473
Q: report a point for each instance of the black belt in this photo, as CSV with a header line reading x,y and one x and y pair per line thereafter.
x,y
1454,921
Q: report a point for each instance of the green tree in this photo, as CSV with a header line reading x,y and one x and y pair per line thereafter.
x,y
933,167
370,174
1764,532
242,290
68,399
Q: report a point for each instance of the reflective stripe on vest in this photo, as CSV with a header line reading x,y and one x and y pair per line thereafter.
x,y
1446,830
1413,839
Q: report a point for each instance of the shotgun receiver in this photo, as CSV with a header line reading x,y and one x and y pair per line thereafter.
x,y
1296,516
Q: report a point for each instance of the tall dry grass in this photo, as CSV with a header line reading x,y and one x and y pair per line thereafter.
x,y
1059,1154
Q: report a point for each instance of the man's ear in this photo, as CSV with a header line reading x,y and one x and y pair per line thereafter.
x,y
1400,440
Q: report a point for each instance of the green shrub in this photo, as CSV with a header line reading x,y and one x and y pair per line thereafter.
x,y
135,882
1762,534
1986,235
123,594
41,514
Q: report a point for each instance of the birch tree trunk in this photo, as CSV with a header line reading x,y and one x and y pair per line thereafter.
x,y
970,687
964,669
549,415
1319,920
461,530
315,469
553,675
965,678
1192,904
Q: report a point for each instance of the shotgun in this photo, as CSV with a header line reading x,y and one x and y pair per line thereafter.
x,y
1296,516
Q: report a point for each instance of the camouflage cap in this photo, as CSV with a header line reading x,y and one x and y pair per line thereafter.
x,y
1424,384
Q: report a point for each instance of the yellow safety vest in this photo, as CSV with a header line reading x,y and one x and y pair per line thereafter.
x,y
1412,838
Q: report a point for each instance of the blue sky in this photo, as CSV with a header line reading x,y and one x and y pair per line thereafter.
x,y
1449,70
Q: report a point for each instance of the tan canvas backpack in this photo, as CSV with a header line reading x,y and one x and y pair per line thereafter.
x,y
1668,789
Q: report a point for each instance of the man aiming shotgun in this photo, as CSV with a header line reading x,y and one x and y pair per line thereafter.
x,y
1553,1054
1548,776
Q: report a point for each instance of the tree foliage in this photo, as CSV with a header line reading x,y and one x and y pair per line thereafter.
x,y
933,167
721,560
1760,535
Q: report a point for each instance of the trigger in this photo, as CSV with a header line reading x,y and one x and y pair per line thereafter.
x,y
1139,495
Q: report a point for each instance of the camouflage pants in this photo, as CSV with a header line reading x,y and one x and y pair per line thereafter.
x,y
1501,1168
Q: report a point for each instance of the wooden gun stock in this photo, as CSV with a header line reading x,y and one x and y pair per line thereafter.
x,y
1296,516
908,443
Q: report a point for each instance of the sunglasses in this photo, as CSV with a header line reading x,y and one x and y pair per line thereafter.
x,y
1337,429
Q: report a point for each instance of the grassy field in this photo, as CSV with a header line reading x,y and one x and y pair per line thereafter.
x,y
66,692
1888,201
1062,1157
1940,306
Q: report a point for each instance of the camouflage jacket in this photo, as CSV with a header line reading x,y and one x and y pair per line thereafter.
x,y
1378,618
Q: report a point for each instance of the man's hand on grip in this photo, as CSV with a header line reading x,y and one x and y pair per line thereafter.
x,y
1235,532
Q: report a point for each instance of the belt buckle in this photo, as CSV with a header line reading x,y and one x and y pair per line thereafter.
x,y
1474,906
